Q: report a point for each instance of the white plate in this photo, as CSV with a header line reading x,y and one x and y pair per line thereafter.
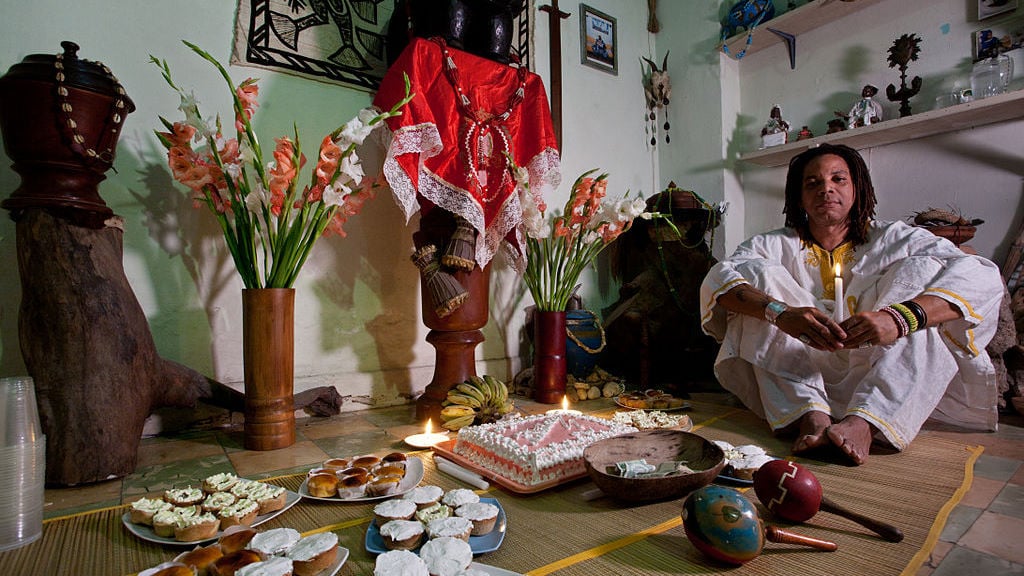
x,y
494,570
478,544
412,478
147,533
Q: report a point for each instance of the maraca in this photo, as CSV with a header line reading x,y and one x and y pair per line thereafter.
x,y
793,492
724,524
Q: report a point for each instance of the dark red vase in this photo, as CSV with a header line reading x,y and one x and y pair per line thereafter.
x,y
549,364
61,117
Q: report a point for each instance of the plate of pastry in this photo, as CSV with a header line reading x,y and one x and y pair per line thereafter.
x,y
363,478
276,551
191,515
651,400
428,519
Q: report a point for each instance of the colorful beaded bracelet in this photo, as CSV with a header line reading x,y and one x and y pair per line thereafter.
x,y
907,315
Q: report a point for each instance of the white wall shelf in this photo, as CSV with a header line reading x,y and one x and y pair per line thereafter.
x,y
807,17
1001,108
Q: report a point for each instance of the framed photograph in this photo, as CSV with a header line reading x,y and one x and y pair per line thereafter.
x,y
990,8
599,47
1003,36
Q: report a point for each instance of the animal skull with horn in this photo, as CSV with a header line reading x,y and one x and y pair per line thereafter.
x,y
658,91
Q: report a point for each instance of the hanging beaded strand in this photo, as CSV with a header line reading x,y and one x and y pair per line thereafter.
x,y
117,115
477,128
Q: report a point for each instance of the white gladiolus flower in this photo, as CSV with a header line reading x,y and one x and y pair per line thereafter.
x,y
334,194
357,129
351,167
257,198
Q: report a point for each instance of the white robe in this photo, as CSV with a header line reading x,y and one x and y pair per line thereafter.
x,y
942,372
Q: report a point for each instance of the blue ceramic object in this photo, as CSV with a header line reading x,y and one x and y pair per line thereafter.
x,y
582,327
723,524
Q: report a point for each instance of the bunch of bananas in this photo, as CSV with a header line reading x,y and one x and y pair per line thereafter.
x,y
478,400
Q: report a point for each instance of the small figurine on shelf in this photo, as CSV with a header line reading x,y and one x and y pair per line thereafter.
x,y
866,111
903,51
804,134
836,124
776,130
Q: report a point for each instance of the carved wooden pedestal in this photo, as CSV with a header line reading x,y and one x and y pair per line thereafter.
x,y
455,336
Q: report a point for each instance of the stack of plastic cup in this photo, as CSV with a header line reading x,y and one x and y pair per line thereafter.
x,y
22,464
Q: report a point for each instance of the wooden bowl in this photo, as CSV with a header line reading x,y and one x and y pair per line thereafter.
x,y
655,447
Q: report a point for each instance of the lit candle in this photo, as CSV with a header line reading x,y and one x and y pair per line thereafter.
x,y
428,438
840,308
564,409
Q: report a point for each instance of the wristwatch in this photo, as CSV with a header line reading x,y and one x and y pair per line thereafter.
x,y
773,309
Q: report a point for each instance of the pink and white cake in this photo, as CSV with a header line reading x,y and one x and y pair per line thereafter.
x,y
537,449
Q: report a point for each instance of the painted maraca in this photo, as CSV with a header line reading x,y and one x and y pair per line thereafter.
x,y
724,524
793,492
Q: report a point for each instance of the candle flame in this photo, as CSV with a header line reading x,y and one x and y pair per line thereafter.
x,y
565,403
429,426
839,269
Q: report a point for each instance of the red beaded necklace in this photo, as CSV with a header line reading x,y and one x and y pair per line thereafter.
x,y
484,138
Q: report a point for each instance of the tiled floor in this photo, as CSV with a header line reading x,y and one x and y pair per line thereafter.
x,y
983,536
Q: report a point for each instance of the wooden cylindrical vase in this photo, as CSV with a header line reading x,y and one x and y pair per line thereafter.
x,y
268,326
549,362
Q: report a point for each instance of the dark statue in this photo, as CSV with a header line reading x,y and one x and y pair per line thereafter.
x,y
904,50
653,332
482,27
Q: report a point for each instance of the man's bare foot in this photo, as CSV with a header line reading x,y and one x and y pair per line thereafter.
x,y
853,436
813,431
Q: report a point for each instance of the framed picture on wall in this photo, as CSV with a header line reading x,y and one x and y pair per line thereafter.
x,y
990,8
599,47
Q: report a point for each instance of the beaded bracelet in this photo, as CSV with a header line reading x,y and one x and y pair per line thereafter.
x,y
901,323
919,313
909,316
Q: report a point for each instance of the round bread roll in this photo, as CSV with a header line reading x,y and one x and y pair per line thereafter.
x,y
228,564
454,526
322,485
336,464
394,509
197,528
274,541
235,538
399,562
144,509
402,534
368,461
395,459
483,515
446,555
217,501
460,496
187,496
424,496
219,482
201,558
383,470
352,486
242,512
383,486
314,553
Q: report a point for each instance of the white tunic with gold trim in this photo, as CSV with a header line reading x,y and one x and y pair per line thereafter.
x,y
942,372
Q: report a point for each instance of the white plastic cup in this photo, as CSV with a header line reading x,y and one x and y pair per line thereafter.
x,y
22,480
19,411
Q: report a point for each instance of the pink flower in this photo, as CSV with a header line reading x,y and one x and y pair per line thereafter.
x,y
283,173
181,135
327,165
247,92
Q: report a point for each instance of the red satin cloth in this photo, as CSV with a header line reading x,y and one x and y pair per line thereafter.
x,y
426,164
